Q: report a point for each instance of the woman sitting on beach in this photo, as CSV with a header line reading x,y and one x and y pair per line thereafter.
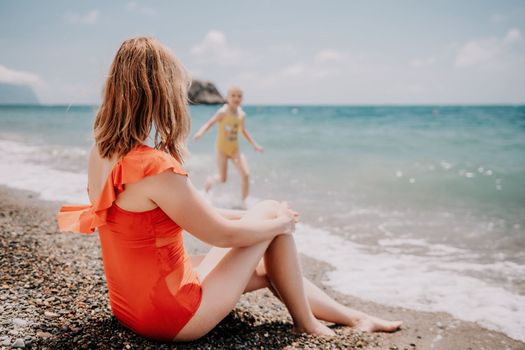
x,y
141,199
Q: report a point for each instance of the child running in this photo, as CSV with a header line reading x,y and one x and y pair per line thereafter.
x,y
231,120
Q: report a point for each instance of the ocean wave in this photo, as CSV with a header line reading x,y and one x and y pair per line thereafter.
x,y
21,167
427,283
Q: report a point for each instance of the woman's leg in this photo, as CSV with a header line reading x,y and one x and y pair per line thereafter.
x,y
242,167
222,167
286,278
223,284
258,280
323,306
326,308
281,260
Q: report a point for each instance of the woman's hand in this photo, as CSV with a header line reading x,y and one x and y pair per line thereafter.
x,y
258,148
288,216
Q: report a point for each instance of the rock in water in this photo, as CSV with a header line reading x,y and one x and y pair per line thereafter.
x,y
205,93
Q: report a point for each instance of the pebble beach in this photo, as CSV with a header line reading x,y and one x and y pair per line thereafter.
x,y
53,296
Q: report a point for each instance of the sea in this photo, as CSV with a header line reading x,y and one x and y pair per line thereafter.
x,y
421,207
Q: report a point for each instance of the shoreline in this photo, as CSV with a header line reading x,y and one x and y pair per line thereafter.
x,y
53,295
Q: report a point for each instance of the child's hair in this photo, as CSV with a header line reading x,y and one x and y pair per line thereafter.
x,y
146,87
234,88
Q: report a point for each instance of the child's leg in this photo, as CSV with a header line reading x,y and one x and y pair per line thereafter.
x,y
242,166
222,165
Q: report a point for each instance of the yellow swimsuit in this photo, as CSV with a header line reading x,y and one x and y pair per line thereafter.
x,y
227,134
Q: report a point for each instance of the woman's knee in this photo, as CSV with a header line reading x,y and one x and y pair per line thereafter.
x,y
269,209
268,204
284,239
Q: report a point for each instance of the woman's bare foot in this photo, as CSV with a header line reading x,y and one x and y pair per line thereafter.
x,y
316,328
375,324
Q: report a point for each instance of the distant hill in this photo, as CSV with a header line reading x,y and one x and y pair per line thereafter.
x,y
17,94
204,93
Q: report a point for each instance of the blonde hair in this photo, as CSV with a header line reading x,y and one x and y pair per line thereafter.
x,y
234,88
146,87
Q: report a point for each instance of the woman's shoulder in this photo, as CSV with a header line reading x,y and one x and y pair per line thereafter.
x,y
94,155
145,161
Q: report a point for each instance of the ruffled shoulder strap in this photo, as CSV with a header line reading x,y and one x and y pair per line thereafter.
x,y
139,163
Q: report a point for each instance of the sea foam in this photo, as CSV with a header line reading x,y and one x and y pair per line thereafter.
x,y
428,283
17,171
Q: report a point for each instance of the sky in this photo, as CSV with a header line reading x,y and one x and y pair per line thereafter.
x,y
279,52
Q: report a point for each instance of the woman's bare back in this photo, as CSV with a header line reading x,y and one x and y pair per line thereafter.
x,y
133,199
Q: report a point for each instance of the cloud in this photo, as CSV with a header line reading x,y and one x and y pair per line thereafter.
x,y
476,52
12,76
293,70
90,17
323,64
328,56
513,36
214,40
214,48
133,6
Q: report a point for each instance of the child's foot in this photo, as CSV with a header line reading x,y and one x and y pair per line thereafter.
x,y
375,324
317,328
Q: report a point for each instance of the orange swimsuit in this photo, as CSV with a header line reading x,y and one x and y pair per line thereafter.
x,y
153,288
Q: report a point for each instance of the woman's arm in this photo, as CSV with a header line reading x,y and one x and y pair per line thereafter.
x,y
248,137
216,117
231,214
184,205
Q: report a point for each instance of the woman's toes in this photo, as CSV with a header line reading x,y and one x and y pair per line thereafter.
x,y
323,330
374,324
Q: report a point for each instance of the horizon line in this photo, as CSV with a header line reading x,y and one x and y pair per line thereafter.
x,y
504,104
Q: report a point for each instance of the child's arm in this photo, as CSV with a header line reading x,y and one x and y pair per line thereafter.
x,y
248,137
216,117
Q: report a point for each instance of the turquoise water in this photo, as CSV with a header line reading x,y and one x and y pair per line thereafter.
x,y
439,187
